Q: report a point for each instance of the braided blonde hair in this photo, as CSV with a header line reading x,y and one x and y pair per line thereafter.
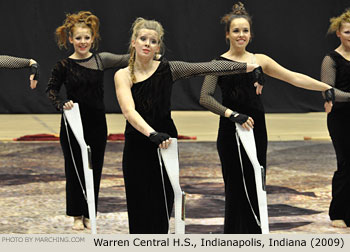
x,y
81,19
141,23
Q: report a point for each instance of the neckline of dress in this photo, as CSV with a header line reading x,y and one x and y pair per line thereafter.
x,y
82,60
252,56
341,56
139,82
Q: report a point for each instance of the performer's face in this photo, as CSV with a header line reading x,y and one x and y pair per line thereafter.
x,y
81,40
146,43
344,34
239,34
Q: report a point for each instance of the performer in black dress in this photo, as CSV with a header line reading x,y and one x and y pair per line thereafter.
x,y
82,75
144,91
241,103
15,62
335,71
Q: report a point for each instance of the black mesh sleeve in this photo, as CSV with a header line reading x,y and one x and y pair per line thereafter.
x,y
181,70
54,86
13,62
328,75
110,60
207,99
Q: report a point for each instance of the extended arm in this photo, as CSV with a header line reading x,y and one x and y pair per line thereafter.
x,y
181,70
111,60
273,69
328,75
15,62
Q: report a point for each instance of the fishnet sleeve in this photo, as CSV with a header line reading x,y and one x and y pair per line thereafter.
x,y
54,85
328,75
111,60
181,69
207,99
13,62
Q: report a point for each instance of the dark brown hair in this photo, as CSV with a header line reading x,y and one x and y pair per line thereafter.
x,y
238,11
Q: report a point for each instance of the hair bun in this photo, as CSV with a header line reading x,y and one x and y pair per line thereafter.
x,y
238,9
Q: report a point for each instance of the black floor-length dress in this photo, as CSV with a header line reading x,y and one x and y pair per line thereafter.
x,y
336,72
238,94
83,81
150,203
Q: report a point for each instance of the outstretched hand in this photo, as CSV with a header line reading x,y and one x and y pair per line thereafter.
x,y
258,88
33,82
328,107
34,73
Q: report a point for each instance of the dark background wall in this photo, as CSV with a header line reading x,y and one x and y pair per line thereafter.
x,y
291,32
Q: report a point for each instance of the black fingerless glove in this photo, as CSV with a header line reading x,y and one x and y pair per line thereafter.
x,y
258,75
238,118
329,95
158,137
35,69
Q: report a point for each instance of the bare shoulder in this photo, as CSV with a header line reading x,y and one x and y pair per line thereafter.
x,y
264,61
122,76
122,72
262,57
